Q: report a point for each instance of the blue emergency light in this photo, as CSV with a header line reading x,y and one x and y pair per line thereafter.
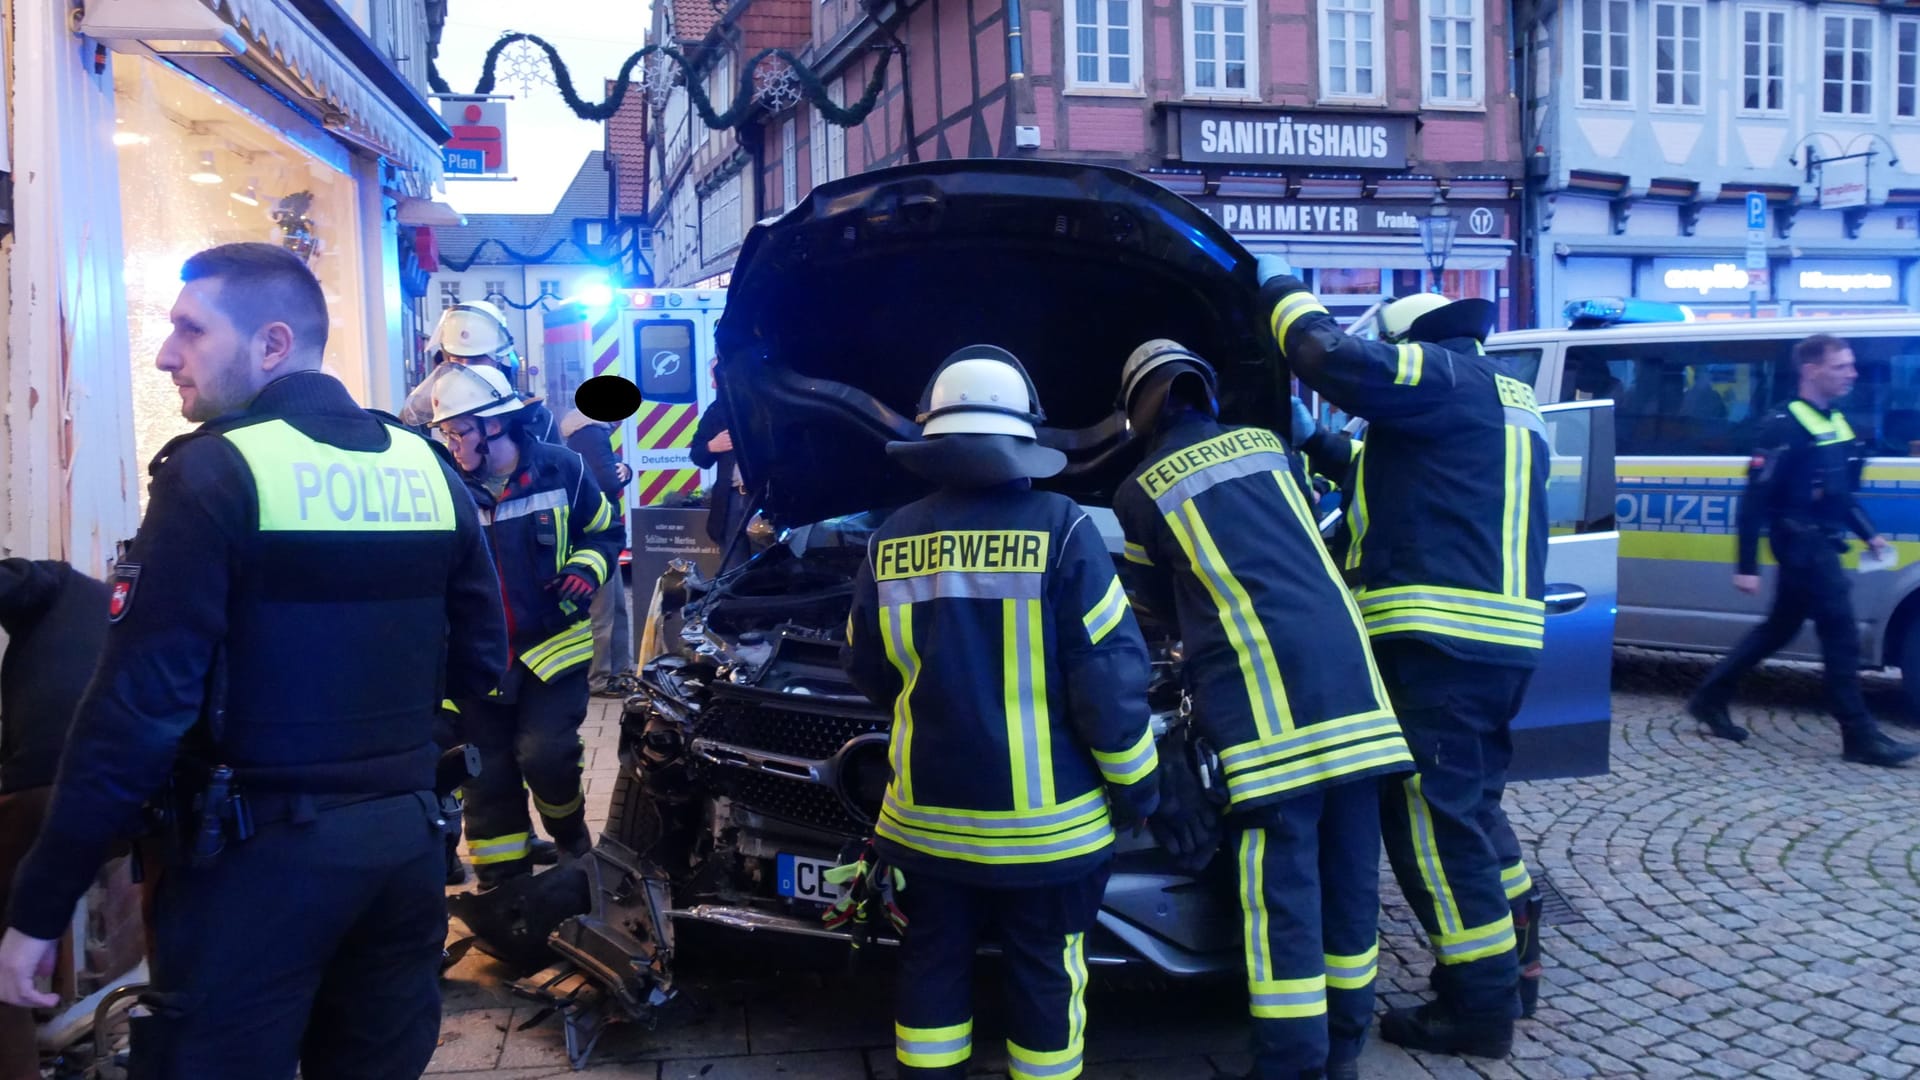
x,y
1622,311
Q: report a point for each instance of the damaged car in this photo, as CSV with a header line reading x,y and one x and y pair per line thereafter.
x,y
750,766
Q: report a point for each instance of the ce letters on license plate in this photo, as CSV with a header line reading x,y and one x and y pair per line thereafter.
x,y
806,879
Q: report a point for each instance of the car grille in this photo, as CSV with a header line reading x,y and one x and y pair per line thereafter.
x,y
813,736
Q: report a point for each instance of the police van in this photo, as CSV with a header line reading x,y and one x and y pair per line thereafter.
x,y
661,339
1689,397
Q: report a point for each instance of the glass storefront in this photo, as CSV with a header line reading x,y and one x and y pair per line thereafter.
x,y
195,172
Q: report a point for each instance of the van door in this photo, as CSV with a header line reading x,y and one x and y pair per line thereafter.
x,y
1565,724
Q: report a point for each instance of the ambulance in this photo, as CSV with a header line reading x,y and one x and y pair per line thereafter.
x,y
662,340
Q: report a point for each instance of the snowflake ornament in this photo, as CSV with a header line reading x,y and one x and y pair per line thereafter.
x,y
524,62
776,86
659,80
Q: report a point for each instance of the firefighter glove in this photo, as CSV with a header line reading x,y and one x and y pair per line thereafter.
x,y
574,585
1186,823
1303,425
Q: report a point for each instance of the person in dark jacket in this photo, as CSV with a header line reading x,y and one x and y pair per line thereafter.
x,y
1285,690
554,540
727,508
612,672
55,632
1447,551
308,581
989,618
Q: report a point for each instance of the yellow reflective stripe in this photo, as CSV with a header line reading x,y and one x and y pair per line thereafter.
x,y
549,810
1288,310
1023,676
1286,999
1373,607
448,705
1107,613
1490,635
1076,964
1426,851
1136,554
1357,523
1298,500
995,824
1254,921
1292,775
896,631
1360,727
561,551
603,517
1131,765
1025,1064
1476,943
1042,716
487,850
932,1048
1412,363
589,559
561,652
1355,972
304,485
1516,880
1513,525
1082,840
1258,668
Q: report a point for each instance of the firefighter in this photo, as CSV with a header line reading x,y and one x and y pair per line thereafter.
x,y
307,577
990,618
555,540
1446,552
467,334
1284,690
1801,483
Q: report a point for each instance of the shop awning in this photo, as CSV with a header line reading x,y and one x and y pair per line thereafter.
x,y
326,59
413,211
1386,253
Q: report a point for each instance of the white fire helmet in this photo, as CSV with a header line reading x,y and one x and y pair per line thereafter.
x,y
476,390
981,390
472,329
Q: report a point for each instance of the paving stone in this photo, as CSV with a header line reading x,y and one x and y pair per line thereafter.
x,y
838,1065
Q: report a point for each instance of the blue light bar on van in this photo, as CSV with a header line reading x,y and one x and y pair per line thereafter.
x,y
1622,311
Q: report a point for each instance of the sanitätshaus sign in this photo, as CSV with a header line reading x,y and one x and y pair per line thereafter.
x,y
1273,137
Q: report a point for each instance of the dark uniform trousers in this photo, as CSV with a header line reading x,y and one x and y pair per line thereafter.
x,y
1812,585
533,741
1042,932
1453,851
345,976
1309,872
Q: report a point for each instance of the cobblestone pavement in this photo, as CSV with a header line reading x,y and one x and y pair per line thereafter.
x,y
1735,911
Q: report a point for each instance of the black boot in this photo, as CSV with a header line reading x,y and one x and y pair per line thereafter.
x,y
1438,1030
1716,720
1868,745
456,870
1527,911
543,852
1343,1070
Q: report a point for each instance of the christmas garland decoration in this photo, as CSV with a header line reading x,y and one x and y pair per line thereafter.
x,y
459,267
744,102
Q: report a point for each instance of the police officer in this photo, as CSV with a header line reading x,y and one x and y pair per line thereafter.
x,y
469,334
1283,688
1800,484
1446,550
307,578
989,617
556,541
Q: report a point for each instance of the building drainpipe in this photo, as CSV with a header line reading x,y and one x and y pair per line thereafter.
x,y
906,82
1017,62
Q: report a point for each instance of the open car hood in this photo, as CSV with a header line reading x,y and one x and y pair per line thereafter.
x,y
840,310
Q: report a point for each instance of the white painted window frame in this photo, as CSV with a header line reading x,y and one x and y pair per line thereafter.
x,y
1678,105
1477,36
1897,24
1378,66
789,164
816,145
1872,20
837,135
1250,29
1103,33
1766,12
1608,61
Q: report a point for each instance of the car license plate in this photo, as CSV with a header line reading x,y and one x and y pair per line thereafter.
x,y
806,879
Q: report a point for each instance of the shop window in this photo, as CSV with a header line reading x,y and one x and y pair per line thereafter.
x,y
496,288
550,287
1106,46
1906,68
1454,64
1347,283
1222,55
1763,59
1847,74
1606,28
1469,284
1676,54
205,173
1349,53
449,294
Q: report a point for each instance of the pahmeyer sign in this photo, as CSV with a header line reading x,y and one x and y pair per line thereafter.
x,y
1276,137
1361,217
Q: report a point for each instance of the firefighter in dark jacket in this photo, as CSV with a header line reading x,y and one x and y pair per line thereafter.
x,y
555,541
989,617
1284,689
308,579
1446,554
1800,484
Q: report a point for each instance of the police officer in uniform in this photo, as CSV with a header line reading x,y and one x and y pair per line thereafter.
x,y
1800,484
556,540
1284,689
990,618
308,578
469,334
1446,551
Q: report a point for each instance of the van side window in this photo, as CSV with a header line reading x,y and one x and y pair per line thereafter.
x,y
1523,364
1699,398
1884,408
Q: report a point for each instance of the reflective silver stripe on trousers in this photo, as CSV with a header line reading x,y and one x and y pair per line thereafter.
x,y
1253,464
932,1046
1021,1067
1250,883
960,586
1302,997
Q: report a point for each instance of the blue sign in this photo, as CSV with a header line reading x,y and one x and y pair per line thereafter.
x,y
465,161
1756,210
